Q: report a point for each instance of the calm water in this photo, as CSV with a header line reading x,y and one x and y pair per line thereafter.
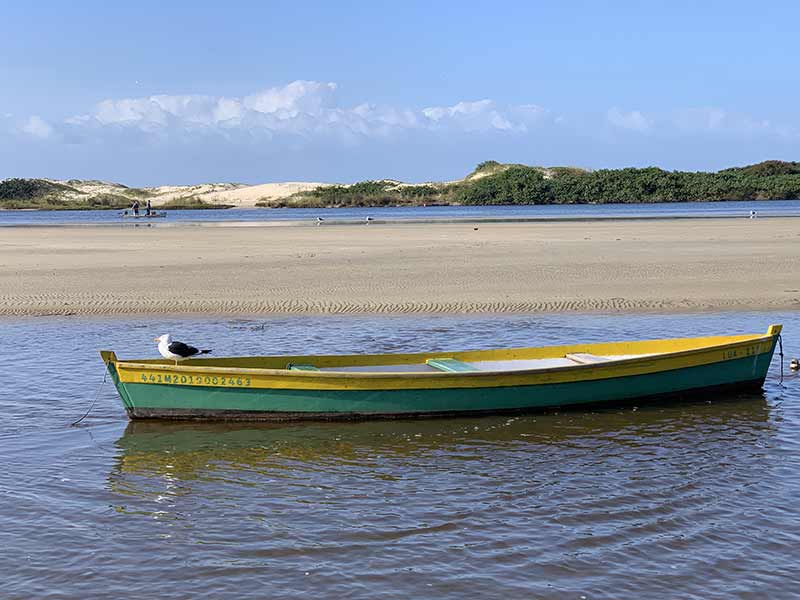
x,y
689,500
577,211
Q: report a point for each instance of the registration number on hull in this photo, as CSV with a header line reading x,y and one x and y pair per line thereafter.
x,y
743,352
211,380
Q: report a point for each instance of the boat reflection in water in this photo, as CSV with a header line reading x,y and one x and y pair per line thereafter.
x,y
198,450
453,502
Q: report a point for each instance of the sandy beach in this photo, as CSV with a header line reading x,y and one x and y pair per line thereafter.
x,y
610,266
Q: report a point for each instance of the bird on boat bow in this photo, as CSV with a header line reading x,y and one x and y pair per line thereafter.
x,y
174,350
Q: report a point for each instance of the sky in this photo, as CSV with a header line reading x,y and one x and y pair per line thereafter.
x,y
156,93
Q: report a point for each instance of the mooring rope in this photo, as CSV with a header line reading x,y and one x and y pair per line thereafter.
x,y
780,353
96,396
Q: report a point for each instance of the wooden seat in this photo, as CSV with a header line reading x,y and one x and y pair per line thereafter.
x,y
450,365
586,359
294,367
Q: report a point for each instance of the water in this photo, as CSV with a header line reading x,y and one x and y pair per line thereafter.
x,y
690,499
575,211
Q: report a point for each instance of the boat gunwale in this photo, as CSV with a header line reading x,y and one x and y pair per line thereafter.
x,y
645,358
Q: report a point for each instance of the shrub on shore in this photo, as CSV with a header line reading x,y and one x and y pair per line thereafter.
x,y
527,185
491,183
191,203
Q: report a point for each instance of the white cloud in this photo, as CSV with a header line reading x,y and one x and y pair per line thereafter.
x,y
469,116
37,127
304,111
485,115
633,120
309,97
710,119
301,108
6,123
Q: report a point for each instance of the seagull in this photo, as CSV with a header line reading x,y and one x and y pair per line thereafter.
x,y
176,351
319,221
367,220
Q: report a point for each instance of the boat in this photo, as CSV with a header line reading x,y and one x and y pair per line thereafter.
x,y
363,386
152,215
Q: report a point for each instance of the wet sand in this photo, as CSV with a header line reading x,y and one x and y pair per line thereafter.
x,y
601,266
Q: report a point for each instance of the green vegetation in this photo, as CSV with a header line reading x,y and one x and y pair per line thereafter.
x,y
43,194
190,202
528,185
30,189
49,195
495,183
490,183
62,205
768,167
489,167
364,193
104,202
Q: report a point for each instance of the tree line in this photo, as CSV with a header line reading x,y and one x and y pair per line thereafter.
x,y
495,183
490,183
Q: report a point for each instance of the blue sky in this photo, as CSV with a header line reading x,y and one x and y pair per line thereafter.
x,y
152,93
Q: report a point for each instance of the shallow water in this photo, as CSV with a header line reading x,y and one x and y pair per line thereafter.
x,y
774,208
689,499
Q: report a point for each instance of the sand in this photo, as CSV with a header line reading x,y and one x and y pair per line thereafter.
x,y
670,265
237,195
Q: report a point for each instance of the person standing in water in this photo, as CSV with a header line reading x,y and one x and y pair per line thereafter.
x,y
135,208
149,208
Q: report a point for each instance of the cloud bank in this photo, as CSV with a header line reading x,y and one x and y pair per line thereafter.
x,y
301,108
310,108
302,130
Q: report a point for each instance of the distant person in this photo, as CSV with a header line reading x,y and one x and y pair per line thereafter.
x,y
149,208
135,208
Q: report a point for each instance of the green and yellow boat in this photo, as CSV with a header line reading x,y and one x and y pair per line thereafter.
x,y
280,388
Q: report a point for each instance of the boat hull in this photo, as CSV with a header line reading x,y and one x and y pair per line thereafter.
x,y
178,401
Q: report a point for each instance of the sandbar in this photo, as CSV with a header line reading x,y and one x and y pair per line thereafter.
x,y
587,266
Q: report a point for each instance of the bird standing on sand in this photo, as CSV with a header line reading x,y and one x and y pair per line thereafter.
x,y
319,221
367,220
172,350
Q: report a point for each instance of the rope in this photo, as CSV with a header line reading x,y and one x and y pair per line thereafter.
x,y
780,353
96,396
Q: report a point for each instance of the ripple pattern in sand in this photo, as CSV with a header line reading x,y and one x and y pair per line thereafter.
x,y
108,304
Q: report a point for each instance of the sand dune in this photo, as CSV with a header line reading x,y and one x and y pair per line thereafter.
x,y
237,194
503,267
247,196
